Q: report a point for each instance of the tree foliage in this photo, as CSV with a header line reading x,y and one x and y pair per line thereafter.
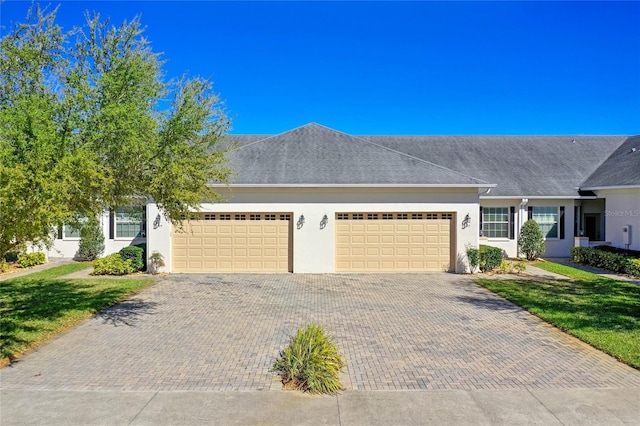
x,y
87,123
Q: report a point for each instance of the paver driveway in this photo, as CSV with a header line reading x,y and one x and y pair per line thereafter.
x,y
397,331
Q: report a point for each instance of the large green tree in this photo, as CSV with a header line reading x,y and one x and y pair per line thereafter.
x,y
88,122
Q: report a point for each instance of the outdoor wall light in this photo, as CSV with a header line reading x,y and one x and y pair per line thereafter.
x,y
156,221
466,222
324,221
300,222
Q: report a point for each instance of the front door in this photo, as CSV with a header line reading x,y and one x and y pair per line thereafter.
x,y
592,226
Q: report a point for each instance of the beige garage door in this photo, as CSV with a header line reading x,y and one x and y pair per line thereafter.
x,y
380,242
234,242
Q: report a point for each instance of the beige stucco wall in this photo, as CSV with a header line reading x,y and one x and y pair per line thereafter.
x,y
314,248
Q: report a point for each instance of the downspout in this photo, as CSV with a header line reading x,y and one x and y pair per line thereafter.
x,y
522,211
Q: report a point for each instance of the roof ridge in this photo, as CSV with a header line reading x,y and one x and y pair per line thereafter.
x,y
596,168
272,136
417,158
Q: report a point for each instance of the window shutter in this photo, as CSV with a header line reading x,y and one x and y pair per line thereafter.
x,y
561,220
144,220
480,220
60,230
529,213
112,224
512,216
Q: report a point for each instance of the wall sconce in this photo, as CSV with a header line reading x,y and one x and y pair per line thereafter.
x,y
466,222
156,221
324,221
300,222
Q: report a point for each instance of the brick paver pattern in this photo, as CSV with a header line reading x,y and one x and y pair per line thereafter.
x,y
396,331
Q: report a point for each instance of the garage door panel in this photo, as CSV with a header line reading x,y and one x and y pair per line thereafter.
x,y
232,246
402,242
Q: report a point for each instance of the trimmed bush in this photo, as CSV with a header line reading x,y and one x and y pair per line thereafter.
x,y
113,264
135,254
31,259
91,241
473,254
311,362
4,266
608,260
629,253
531,241
490,258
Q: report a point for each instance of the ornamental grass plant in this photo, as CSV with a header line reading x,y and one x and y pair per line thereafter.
x,y
311,363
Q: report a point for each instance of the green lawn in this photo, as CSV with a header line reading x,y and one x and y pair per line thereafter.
x,y
35,307
602,312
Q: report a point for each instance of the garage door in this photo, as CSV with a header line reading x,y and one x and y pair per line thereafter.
x,y
380,242
234,242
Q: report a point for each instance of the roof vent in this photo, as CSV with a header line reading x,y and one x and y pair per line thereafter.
x,y
634,149
573,140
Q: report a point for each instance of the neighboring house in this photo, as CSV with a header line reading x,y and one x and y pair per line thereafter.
x,y
121,228
317,200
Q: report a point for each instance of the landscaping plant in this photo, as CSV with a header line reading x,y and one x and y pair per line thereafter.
x,y
311,362
91,244
490,258
113,264
157,261
473,254
27,260
531,241
135,255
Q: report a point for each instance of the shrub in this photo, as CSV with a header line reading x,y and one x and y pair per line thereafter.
x,y
157,262
520,267
603,259
531,241
633,267
31,259
91,241
629,253
135,254
311,362
4,266
473,254
490,258
113,264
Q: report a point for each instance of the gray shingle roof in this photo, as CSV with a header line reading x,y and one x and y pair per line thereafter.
x,y
622,168
521,166
316,155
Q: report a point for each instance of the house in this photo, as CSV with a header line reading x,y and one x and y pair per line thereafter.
x,y
316,200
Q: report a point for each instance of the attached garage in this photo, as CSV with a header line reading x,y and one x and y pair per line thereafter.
x,y
234,242
394,242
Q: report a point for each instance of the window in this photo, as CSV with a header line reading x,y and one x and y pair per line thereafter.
x,y
71,231
343,216
432,216
225,217
241,217
269,217
130,223
372,216
387,216
209,216
416,215
447,216
402,216
285,217
495,222
547,218
357,216
254,217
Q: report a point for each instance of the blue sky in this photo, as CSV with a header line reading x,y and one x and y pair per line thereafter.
x,y
423,68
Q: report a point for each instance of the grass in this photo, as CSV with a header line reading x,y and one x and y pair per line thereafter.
x,y
600,311
35,307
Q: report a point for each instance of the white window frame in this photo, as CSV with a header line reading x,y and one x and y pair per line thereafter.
x,y
486,211
120,219
544,224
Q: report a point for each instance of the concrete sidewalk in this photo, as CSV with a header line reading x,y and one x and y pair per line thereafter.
x,y
448,407
51,263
